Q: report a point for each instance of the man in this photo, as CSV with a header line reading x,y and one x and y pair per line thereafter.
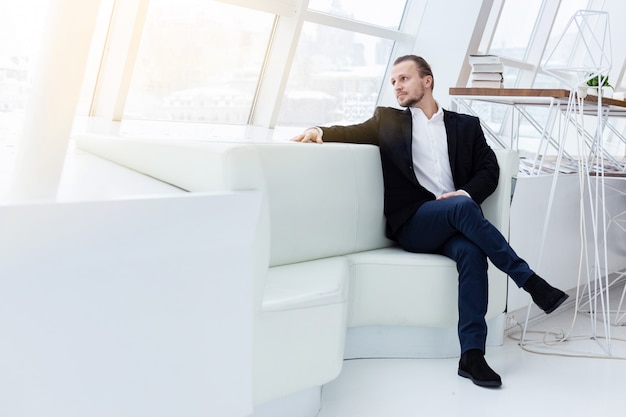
x,y
437,169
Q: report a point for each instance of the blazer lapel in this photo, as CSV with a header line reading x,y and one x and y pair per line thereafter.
x,y
406,119
451,132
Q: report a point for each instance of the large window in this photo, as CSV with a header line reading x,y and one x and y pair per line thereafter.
x,y
515,28
21,28
337,73
336,77
200,61
567,9
561,45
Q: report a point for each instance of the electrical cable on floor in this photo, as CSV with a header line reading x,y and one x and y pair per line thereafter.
x,y
560,338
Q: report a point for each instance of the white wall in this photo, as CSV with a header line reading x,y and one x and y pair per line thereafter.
x,y
559,261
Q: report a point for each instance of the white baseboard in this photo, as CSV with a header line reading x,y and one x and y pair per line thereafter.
x,y
412,342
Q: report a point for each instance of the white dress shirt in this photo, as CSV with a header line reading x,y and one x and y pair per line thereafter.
x,y
429,149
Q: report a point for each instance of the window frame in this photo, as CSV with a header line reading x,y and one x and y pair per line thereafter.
x,y
127,23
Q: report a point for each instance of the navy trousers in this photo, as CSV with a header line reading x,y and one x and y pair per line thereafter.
x,y
455,227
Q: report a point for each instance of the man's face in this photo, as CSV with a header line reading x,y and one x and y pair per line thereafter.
x,y
407,84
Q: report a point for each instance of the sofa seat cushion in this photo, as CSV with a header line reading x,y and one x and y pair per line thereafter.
x,y
392,287
307,284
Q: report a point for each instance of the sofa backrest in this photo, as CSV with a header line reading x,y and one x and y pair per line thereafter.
x,y
328,200
318,200
323,200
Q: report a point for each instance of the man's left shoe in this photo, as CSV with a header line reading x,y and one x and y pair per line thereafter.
x,y
543,294
473,365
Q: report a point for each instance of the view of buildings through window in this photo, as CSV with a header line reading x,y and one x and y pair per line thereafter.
x,y
212,75
515,28
336,77
21,28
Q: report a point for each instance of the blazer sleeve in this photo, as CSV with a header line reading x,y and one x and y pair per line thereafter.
x,y
364,133
477,175
474,164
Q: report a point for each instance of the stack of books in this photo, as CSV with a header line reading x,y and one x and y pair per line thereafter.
x,y
486,71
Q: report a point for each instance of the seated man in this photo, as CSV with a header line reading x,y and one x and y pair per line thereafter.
x,y
437,170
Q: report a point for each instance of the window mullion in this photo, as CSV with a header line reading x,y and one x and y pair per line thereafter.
x,y
355,26
279,58
118,59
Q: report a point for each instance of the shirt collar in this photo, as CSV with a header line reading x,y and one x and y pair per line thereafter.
x,y
417,112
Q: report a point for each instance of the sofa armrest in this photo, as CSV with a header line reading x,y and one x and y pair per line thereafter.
x,y
497,207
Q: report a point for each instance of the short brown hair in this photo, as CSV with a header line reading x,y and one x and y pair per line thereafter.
x,y
422,66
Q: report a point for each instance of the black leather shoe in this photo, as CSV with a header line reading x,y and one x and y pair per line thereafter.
x,y
543,294
472,365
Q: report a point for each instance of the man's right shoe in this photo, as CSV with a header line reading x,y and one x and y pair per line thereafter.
x,y
473,365
543,294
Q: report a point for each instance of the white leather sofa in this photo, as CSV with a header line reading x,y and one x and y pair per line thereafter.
x,y
328,284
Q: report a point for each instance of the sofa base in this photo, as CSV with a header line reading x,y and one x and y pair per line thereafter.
x,y
305,403
413,342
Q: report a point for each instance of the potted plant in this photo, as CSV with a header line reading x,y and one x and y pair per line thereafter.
x,y
597,82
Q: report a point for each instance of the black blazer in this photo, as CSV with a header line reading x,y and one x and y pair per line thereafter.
x,y
473,163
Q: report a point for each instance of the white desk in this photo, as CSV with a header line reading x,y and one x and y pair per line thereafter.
x,y
556,102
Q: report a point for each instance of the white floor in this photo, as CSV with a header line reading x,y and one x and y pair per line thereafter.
x,y
533,383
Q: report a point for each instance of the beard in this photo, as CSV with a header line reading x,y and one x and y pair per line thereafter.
x,y
411,101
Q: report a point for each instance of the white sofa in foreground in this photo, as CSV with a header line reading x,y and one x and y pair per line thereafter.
x,y
328,283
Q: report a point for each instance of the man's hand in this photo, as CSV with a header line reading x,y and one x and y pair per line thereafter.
x,y
453,194
311,134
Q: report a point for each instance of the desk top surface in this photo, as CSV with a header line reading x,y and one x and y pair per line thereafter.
x,y
528,95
